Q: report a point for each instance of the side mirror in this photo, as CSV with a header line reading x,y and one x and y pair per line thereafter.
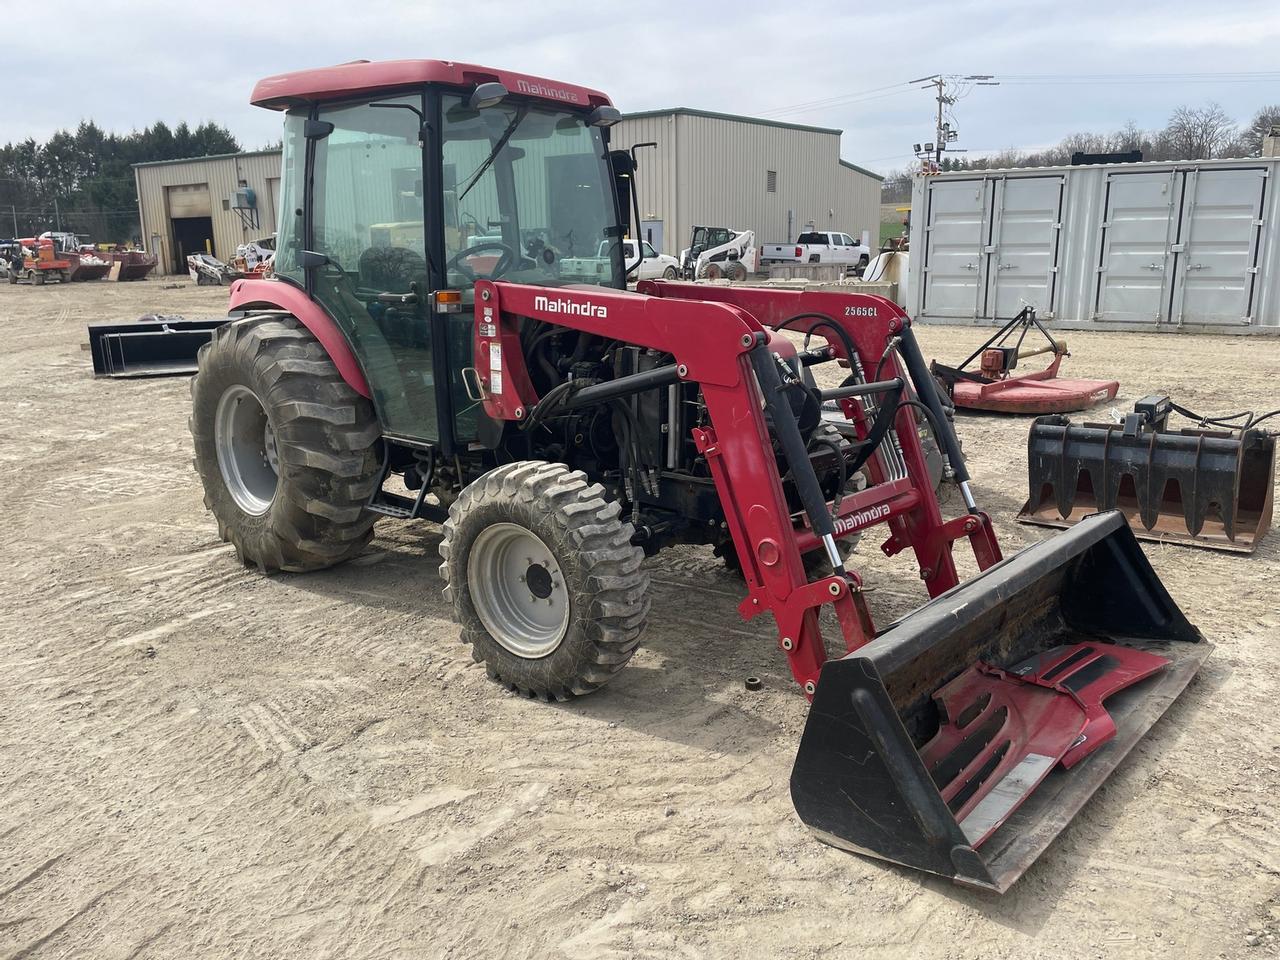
x,y
316,129
622,163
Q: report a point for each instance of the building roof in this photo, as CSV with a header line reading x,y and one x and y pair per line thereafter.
x,y
215,156
737,118
862,170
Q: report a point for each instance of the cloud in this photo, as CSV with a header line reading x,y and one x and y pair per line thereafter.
x,y
193,63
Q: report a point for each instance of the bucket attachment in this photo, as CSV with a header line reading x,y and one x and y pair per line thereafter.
x,y
154,346
1207,488
965,737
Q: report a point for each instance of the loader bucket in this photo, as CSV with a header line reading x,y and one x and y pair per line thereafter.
x,y
1206,488
965,737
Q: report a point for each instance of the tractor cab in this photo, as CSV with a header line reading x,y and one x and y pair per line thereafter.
x,y
403,198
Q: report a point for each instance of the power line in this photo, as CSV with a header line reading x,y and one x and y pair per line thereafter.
x,y
1248,76
875,93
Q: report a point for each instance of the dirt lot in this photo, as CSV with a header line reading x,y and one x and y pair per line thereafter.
x,y
199,761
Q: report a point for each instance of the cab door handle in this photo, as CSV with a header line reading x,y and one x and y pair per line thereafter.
x,y
398,299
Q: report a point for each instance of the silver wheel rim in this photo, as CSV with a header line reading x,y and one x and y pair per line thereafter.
x,y
246,446
518,590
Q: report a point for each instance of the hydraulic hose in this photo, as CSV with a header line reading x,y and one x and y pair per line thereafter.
x,y
787,430
927,391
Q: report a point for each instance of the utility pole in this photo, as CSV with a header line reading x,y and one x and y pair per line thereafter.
x,y
943,132
57,217
14,210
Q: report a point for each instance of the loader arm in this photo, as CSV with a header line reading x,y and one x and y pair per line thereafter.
x,y
713,345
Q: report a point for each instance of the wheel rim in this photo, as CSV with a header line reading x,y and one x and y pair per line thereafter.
x,y
518,590
246,446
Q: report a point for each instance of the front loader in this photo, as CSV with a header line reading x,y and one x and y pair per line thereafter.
x,y
429,348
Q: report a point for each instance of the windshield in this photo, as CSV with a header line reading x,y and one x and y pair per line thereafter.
x,y
706,238
528,197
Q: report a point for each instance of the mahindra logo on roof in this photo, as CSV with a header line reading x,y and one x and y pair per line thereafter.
x,y
542,90
577,308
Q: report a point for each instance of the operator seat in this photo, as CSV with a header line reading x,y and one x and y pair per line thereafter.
x,y
392,270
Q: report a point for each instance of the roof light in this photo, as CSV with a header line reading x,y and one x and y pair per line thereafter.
x,y
487,95
604,116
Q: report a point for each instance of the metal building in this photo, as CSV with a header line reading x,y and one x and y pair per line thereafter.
x,y
717,169
1151,246
708,168
209,204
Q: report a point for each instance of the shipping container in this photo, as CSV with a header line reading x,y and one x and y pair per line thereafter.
x,y
1170,246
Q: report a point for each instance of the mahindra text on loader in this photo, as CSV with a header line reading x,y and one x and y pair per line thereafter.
x,y
561,432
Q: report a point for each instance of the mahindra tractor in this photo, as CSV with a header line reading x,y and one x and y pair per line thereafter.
x,y
449,336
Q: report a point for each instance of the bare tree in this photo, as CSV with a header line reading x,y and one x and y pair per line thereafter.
x,y
1199,134
1259,127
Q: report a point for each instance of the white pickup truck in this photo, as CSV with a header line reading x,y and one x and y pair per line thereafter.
x,y
822,246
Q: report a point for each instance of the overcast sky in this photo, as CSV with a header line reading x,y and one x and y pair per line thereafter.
x,y
126,65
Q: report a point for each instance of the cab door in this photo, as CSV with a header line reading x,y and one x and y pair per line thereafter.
x,y
368,224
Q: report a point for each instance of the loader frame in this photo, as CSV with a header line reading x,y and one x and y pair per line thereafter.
x,y
717,336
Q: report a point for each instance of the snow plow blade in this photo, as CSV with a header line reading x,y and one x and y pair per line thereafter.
x,y
966,736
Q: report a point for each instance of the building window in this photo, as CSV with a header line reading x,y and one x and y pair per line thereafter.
x,y
771,181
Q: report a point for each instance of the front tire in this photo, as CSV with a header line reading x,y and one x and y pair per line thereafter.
x,y
669,273
288,453
543,579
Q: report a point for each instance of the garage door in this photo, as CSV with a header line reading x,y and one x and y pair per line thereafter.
x,y
190,200
954,241
1216,262
1137,231
1023,263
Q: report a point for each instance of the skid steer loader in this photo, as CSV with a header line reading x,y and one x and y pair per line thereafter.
x,y
560,432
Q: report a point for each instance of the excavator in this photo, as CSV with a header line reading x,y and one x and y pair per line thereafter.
x,y
444,368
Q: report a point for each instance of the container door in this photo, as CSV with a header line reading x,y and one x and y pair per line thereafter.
x,y
1216,256
955,236
1137,231
1023,264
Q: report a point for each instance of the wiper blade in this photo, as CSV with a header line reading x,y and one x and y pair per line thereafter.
x,y
497,149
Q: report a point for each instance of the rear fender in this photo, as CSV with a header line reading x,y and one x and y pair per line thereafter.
x,y
278,295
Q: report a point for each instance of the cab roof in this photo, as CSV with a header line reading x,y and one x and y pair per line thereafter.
x,y
360,77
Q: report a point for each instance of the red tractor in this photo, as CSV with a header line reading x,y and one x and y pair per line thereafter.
x,y
449,336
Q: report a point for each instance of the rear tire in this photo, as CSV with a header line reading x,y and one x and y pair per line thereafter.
x,y
531,532
288,453
669,273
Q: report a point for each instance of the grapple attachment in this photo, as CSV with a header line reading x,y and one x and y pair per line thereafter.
x,y
965,737
1208,488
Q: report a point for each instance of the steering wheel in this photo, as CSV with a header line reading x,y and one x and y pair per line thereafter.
x,y
509,257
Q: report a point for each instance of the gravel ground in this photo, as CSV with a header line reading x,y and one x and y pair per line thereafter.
x,y
199,761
